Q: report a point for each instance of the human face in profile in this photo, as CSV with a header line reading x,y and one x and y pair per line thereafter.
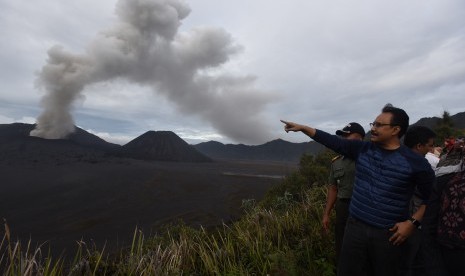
x,y
382,129
428,147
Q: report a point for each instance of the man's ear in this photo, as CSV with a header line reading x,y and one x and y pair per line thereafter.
x,y
396,130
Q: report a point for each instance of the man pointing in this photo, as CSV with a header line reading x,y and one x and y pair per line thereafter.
x,y
386,174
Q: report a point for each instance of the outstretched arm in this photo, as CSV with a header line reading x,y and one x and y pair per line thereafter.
x,y
290,126
349,148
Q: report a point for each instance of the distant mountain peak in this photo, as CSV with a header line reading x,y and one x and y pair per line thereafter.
x,y
159,132
163,145
79,136
152,145
277,141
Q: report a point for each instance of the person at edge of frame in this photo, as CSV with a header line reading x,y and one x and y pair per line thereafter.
x,y
419,139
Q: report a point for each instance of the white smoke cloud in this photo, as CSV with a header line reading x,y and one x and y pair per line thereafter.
x,y
146,47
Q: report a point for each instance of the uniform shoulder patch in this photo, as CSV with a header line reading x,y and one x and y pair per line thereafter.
x,y
336,158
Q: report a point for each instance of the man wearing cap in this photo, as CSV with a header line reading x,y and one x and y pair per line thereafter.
x,y
341,180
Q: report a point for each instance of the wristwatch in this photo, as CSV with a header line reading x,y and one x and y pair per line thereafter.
x,y
415,222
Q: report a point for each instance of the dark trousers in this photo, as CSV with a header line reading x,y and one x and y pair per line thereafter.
x,y
413,255
342,213
366,250
454,260
443,261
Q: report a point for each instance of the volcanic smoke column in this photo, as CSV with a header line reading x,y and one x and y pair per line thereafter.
x,y
145,47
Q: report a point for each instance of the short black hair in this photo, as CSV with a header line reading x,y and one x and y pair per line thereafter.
x,y
399,118
418,135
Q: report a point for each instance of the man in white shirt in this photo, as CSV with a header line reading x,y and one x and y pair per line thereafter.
x,y
432,159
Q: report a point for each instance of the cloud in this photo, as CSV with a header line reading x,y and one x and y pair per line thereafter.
x,y
8,120
145,47
329,63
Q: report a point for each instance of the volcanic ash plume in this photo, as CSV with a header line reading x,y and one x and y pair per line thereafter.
x,y
146,48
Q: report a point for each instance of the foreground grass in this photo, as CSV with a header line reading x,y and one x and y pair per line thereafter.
x,y
279,236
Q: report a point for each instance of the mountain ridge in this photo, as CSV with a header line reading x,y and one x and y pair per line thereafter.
x,y
167,146
457,119
276,150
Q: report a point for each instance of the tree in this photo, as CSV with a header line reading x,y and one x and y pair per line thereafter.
x,y
445,129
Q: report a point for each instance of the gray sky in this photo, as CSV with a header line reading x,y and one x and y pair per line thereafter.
x,y
227,70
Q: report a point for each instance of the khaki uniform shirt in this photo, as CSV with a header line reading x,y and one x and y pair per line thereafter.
x,y
342,174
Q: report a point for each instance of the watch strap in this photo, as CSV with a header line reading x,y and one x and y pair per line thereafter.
x,y
415,222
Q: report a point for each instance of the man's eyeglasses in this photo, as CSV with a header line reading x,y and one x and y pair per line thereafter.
x,y
378,125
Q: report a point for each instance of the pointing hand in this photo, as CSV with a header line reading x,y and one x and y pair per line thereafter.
x,y
290,126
